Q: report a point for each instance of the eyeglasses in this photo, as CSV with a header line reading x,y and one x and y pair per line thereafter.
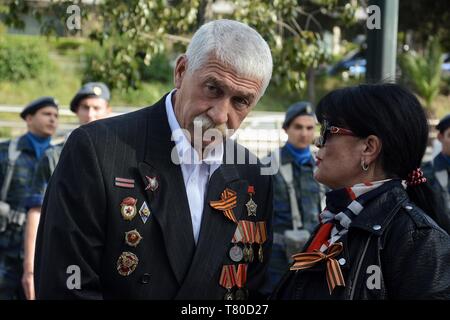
x,y
326,130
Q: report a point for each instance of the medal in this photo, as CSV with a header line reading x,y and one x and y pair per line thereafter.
x,y
248,228
251,228
260,238
228,280
251,205
152,183
144,212
127,263
128,208
132,238
241,294
236,254
228,295
241,278
226,204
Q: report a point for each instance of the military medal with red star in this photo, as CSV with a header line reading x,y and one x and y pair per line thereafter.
x,y
128,208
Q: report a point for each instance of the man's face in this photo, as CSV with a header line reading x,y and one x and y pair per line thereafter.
x,y
444,138
214,94
44,122
91,109
301,131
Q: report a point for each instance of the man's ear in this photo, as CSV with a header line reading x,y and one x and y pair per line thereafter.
x,y
29,118
372,149
440,137
180,70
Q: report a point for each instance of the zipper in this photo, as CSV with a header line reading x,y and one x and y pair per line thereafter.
x,y
352,290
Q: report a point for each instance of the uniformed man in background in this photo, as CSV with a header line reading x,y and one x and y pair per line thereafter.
x,y
90,103
297,195
18,160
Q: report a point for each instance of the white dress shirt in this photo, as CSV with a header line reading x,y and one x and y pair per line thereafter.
x,y
196,172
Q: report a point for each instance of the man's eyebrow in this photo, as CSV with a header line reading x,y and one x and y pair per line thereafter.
x,y
221,85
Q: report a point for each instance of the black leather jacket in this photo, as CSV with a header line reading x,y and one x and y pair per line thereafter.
x,y
393,250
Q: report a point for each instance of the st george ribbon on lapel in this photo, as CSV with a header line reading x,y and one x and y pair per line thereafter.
x,y
226,204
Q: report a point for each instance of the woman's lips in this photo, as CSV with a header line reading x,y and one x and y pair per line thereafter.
x,y
318,161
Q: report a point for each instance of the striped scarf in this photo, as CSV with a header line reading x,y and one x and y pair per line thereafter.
x,y
343,206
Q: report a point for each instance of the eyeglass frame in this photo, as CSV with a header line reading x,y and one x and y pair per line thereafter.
x,y
324,133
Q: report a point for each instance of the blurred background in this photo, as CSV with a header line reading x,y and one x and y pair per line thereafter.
x,y
52,47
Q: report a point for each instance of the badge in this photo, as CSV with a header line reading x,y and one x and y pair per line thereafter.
x,y
132,238
251,205
97,91
152,183
124,183
127,263
144,212
236,254
128,208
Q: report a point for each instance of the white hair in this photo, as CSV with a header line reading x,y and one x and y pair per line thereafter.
x,y
236,45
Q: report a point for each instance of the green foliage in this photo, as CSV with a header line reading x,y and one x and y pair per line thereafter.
x,y
424,71
158,70
148,27
21,60
133,33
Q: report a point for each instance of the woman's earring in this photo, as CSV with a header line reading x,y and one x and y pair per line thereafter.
x,y
364,166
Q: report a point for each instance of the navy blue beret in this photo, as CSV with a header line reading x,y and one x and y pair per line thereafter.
x,y
297,109
90,89
444,124
37,104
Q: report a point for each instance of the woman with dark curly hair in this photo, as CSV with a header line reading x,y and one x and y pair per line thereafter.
x,y
377,238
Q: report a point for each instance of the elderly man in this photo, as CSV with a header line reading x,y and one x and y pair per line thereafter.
x,y
18,159
90,103
129,213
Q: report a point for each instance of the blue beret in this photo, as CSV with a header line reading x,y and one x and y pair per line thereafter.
x,y
444,124
38,104
90,89
297,109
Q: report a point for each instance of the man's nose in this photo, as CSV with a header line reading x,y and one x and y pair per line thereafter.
x,y
219,112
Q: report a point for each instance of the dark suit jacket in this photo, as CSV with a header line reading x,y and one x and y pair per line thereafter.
x,y
81,222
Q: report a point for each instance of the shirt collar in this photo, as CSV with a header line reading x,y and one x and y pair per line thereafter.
x,y
185,151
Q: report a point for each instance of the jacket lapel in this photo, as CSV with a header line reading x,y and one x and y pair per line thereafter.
x,y
216,231
168,203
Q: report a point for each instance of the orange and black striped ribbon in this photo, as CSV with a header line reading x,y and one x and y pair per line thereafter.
x,y
307,260
227,202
